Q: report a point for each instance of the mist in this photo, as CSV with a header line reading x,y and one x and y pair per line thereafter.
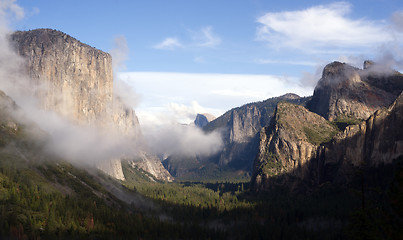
x,y
121,89
182,140
80,144
172,132
165,136
85,144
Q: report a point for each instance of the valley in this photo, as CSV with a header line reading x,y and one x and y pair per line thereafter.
x,y
328,166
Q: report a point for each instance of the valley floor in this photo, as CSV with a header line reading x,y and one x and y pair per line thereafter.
x,y
54,200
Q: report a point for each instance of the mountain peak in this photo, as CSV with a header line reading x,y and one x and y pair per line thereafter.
x,y
348,92
337,73
291,96
202,119
48,37
80,80
368,64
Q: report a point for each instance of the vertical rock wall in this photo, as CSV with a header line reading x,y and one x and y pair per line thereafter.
x,y
76,80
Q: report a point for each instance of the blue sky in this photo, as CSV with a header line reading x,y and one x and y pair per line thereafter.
x,y
184,57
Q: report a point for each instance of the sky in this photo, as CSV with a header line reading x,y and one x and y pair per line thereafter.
x,y
178,58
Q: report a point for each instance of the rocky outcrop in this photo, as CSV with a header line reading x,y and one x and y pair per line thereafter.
x,y
151,164
301,148
17,133
112,167
289,143
240,128
73,79
376,141
76,80
202,119
346,92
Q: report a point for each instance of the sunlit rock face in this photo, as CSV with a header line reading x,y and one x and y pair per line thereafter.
x,y
73,79
240,128
76,81
348,92
289,143
301,148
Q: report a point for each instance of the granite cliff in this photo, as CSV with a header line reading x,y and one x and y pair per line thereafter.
x,y
376,141
347,92
300,147
76,81
290,142
239,128
73,79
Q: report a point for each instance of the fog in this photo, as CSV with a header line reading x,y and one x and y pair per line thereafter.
x,y
166,136
89,144
81,144
182,140
122,90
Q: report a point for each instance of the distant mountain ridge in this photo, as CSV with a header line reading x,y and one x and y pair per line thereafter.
x,y
202,119
239,128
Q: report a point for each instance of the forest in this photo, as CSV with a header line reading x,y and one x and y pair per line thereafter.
x,y
31,207
43,197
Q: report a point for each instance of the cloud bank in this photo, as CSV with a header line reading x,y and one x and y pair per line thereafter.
x,y
182,140
83,144
320,28
216,93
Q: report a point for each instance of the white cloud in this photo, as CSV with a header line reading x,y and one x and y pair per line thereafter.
x,y
309,80
10,7
182,140
206,37
397,21
167,132
122,90
323,27
185,113
170,43
119,53
165,92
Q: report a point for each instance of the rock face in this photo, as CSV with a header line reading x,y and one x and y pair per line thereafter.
x,y
289,143
203,119
7,105
240,128
76,80
376,141
152,164
73,79
15,127
346,92
302,147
